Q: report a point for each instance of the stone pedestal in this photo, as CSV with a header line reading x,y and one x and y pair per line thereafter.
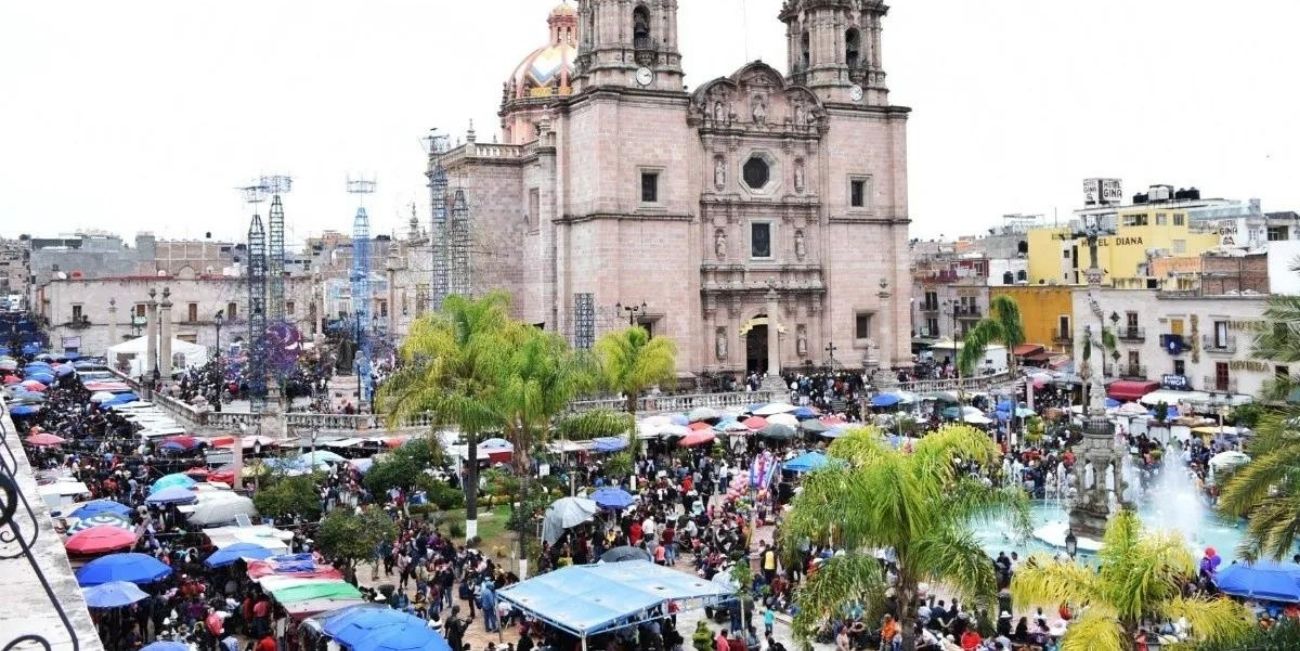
x,y
151,340
112,329
165,336
773,336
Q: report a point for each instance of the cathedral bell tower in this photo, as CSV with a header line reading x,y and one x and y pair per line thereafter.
x,y
834,49
629,43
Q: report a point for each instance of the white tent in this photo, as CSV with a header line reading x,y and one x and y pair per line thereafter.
x,y
184,354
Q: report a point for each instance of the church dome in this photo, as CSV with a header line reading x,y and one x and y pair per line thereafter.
x,y
547,71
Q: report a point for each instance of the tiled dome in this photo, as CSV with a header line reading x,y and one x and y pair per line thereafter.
x,y
547,70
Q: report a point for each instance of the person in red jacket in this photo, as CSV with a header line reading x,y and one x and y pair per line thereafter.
x,y
267,643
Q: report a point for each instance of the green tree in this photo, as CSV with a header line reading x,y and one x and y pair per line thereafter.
x,y
405,467
451,366
1283,636
630,362
918,504
348,538
286,496
1140,577
1002,325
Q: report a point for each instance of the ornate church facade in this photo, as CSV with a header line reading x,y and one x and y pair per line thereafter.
x,y
759,220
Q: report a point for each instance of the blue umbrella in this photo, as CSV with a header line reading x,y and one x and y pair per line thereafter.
x,y
679,419
136,568
113,594
612,498
100,506
42,377
24,410
64,370
403,637
179,479
807,462
382,629
804,412
885,400
1112,403
609,444
165,645
1262,580
227,556
173,495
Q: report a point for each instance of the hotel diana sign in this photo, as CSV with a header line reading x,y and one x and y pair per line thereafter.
x,y
1106,241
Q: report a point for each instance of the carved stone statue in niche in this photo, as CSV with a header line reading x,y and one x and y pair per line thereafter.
x,y
800,247
720,343
800,119
801,341
720,244
719,173
799,176
719,114
759,110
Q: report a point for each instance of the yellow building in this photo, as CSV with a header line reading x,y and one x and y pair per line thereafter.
x,y
1056,256
1046,312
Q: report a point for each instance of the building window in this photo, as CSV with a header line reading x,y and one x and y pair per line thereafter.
x,y
1180,246
1162,219
1180,367
1220,334
1065,254
649,187
76,313
760,240
1135,220
1063,325
932,327
1022,276
1277,233
757,173
931,301
859,189
862,326
805,48
289,308
192,312
641,28
852,47
534,208
383,308
1221,376
232,311
1180,219
139,310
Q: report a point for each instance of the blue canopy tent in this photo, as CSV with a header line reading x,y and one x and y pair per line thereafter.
x,y
609,444
806,462
586,600
100,506
1262,580
228,556
136,568
611,497
882,400
382,629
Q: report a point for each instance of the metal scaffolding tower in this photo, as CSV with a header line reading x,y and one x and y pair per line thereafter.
x,y
275,186
363,328
458,247
256,194
440,283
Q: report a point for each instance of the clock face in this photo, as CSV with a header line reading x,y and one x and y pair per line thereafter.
x,y
855,93
644,76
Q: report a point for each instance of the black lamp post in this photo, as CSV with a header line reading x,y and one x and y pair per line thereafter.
x,y
1071,544
219,319
632,311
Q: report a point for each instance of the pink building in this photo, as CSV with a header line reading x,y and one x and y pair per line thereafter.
x,y
756,193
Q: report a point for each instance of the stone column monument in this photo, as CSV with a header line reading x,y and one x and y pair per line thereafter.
x,y
151,338
112,328
165,336
772,381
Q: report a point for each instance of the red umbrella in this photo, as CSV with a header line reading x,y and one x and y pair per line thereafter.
x,y
755,423
215,623
832,420
226,477
11,379
698,437
45,438
97,540
183,441
198,473
33,385
700,426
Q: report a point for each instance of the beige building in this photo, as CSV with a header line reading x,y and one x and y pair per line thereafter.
x,y
614,186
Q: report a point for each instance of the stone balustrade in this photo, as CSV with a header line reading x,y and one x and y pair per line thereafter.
x,y
980,383
679,403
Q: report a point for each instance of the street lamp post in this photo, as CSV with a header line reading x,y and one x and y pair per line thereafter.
x,y
1071,544
219,319
632,311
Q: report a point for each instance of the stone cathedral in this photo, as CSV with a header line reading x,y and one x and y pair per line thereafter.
x,y
767,199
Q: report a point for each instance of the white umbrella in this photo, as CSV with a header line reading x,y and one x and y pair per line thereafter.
x,y
783,419
1229,459
101,396
969,411
977,419
218,507
1131,409
657,421
702,413
733,426
565,513
774,408
673,430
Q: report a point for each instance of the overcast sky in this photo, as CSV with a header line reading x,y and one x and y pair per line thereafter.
x,y
145,114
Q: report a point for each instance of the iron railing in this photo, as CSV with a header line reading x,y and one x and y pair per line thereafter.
x,y
1211,344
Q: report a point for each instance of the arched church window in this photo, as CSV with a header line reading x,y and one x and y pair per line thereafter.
x,y
805,47
641,28
852,47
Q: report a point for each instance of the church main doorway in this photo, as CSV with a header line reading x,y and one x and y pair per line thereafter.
x,y
756,350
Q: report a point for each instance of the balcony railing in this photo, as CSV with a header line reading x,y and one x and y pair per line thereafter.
x,y
1213,383
1131,333
1133,371
1224,345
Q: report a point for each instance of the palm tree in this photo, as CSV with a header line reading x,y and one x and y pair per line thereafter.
x,y
1268,488
1002,325
1140,577
919,505
630,361
451,366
